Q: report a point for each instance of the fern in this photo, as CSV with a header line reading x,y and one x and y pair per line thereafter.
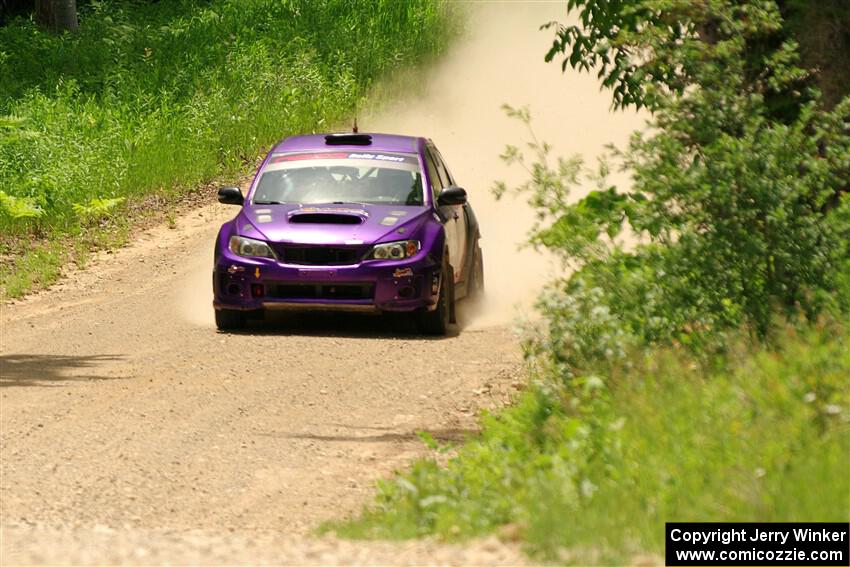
x,y
19,207
97,208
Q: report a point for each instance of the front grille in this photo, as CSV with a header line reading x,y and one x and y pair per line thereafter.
x,y
321,291
319,255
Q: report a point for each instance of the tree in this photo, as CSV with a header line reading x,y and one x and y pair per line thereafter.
x,y
739,186
57,15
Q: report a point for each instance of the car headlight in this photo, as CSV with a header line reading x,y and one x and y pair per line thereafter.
x,y
250,248
394,250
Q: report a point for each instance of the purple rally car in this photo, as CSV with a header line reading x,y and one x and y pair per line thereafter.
x,y
352,222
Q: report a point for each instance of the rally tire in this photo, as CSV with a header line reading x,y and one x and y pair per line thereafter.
x,y
437,322
229,320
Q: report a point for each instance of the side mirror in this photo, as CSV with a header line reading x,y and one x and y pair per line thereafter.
x,y
230,196
452,196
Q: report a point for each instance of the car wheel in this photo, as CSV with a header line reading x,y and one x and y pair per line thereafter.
x,y
229,320
436,322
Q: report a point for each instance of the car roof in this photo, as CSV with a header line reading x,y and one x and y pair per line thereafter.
x,y
379,142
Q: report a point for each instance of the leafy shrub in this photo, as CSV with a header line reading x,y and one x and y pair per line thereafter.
x,y
739,186
727,230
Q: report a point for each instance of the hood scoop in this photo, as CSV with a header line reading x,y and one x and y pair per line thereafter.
x,y
325,218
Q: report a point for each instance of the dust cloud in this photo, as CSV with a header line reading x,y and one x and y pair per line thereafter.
x,y
457,103
194,299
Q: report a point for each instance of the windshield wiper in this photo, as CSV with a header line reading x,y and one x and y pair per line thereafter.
x,y
269,203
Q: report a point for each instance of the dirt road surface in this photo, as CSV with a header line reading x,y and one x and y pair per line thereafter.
x,y
132,432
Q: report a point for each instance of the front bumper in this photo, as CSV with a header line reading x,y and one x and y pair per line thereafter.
x,y
248,285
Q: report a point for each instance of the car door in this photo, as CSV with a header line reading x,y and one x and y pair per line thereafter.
x,y
448,215
459,220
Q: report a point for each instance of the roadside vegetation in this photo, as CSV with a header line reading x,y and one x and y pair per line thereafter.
x,y
588,470
148,100
693,363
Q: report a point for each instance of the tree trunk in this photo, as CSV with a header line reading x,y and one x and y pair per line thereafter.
x,y
57,15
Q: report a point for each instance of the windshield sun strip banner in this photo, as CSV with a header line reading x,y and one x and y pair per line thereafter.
x,y
343,162
386,157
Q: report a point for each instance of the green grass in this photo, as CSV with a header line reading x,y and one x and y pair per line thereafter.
x,y
155,98
33,269
762,434
27,265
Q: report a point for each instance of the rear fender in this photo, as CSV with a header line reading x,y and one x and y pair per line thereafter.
x,y
472,237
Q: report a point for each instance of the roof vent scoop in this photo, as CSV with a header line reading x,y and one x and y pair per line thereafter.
x,y
348,139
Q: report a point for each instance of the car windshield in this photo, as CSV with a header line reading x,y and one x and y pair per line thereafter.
x,y
344,177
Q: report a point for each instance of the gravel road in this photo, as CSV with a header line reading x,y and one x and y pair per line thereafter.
x,y
132,432
121,409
